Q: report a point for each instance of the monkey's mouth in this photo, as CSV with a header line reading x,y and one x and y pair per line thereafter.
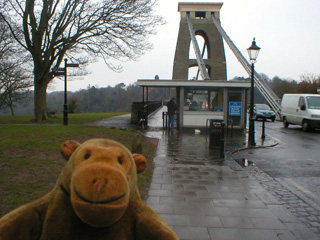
x,y
98,202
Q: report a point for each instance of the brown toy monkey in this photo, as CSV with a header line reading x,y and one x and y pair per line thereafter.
x,y
95,197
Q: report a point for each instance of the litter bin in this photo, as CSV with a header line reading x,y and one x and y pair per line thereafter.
x,y
216,134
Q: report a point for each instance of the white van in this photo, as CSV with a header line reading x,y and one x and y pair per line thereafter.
x,y
301,109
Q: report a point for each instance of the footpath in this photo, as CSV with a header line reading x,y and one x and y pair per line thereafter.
x,y
203,196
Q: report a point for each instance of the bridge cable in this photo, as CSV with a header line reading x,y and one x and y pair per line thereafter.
x,y
265,90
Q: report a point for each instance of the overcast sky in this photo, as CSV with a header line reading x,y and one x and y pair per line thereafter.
x,y
287,31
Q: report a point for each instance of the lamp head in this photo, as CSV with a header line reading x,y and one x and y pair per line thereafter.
x,y
253,51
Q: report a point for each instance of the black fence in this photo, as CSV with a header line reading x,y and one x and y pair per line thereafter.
x,y
140,111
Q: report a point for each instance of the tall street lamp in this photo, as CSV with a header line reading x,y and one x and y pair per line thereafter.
x,y
253,52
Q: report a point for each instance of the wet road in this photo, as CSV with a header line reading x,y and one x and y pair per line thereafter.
x,y
295,162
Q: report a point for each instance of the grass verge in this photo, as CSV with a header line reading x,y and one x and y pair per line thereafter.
x,y
30,160
75,118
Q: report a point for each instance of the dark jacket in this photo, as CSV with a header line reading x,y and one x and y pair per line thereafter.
x,y
171,108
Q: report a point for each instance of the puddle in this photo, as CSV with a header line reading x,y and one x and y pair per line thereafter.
x,y
243,162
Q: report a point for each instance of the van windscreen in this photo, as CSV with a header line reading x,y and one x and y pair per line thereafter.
x,y
313,102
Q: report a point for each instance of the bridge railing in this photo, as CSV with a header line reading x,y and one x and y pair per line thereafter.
x,y
141,110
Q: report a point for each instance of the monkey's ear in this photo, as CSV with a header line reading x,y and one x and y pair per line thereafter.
x,y
67,148
141,162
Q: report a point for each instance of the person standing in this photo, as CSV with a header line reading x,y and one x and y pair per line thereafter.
x,y
172,107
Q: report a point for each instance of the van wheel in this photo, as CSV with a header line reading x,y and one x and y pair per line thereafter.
x,y
285,122
305,126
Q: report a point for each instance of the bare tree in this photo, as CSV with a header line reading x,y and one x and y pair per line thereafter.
x,y
80,30
15,84
14,74
308,83
6,51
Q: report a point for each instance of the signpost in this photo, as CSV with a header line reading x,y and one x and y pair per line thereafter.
x,y
63,72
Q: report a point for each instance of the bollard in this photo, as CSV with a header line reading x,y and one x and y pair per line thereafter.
x,y
165,120
263,135
230,122
222,140
143,119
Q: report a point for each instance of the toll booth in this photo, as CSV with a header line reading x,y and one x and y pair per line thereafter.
x,y
198,101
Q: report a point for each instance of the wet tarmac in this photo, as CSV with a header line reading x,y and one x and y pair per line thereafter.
x,y
290,171
202,195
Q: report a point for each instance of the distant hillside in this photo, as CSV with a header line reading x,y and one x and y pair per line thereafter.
x,y
91,100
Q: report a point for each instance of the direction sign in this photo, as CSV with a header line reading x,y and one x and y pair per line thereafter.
x,y
59,73
58,69
72,64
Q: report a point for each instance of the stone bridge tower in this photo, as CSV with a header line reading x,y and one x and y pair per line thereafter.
x,y
212,51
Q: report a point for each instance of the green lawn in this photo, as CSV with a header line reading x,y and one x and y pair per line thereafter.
x,y
76,118
30,160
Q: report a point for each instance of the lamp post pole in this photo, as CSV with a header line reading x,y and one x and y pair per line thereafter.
x,y
251,117
253,51
65,106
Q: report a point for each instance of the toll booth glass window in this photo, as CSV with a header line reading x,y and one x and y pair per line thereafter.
x,y
203,100
216,101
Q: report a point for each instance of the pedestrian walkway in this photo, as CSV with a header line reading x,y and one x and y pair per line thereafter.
x,y
203,196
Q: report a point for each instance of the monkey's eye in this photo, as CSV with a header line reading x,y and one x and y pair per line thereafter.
x,y
87,156
120,160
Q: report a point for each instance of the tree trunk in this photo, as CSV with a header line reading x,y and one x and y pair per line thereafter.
x,y
40,100
11,109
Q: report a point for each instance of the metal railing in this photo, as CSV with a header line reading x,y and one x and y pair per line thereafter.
x,y
141,110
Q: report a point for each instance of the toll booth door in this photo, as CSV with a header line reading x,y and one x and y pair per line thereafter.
x,y
235,108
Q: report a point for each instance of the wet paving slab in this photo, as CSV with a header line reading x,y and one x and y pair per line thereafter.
x,y
202,195
187,148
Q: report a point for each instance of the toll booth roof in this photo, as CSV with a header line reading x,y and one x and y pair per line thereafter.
x,y
193,83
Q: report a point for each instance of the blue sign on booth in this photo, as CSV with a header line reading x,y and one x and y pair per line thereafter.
x,y
235,108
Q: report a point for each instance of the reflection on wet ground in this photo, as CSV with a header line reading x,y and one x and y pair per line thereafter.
x,y
190,146
186,147
243,162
